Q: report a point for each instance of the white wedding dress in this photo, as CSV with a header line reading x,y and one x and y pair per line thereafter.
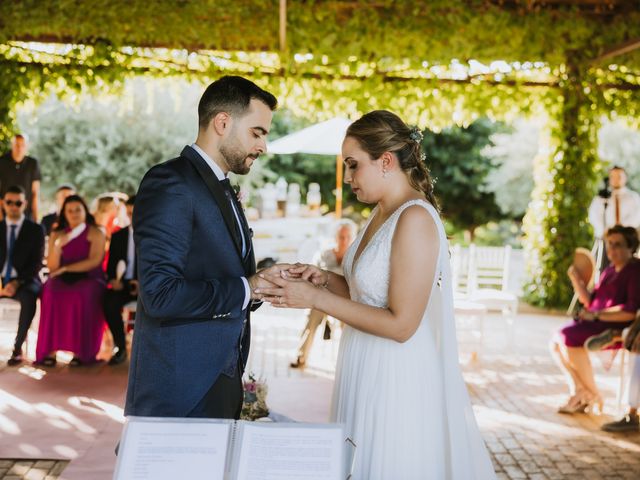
x,y
405,405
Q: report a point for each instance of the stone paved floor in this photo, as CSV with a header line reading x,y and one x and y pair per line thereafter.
x,y
31,469
515,402
514,386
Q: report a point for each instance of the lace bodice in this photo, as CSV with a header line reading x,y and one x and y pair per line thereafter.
x,y
368,278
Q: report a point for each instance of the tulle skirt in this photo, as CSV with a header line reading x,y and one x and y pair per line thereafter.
x,y
390,397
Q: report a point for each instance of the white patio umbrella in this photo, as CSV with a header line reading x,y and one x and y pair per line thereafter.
x,y
324,138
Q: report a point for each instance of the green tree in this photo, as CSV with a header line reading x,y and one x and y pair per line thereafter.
x,y
105,144
620,145
514,152
460,168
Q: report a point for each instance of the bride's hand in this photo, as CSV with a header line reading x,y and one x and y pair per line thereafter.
x,y
311,273
289,292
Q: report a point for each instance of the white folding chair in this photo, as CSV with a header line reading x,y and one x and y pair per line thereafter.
x,y
466,311
488,281
129,315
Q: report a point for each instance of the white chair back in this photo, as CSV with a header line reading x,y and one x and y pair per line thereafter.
x,y
460,269
489,267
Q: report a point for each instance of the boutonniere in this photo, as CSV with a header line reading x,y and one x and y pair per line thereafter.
x,y
240,195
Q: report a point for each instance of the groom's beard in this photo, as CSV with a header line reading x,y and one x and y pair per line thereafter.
x,y
236,157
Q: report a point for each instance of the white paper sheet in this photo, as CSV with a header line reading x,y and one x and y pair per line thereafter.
x,y
293,453
173,450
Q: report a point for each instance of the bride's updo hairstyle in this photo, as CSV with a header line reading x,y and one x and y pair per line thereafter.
x,y
382,131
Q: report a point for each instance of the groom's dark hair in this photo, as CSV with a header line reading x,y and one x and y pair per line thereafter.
x,y
231,94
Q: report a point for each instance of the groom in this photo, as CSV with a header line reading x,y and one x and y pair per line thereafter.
x,y
196,265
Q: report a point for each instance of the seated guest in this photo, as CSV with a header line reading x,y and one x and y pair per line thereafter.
x,y
71,316
612,305
123,284
21,250
105,214
330,260
50,221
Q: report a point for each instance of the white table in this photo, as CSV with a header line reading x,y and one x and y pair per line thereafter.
x,y
292,239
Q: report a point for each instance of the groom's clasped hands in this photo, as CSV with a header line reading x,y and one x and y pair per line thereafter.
x,y
289,285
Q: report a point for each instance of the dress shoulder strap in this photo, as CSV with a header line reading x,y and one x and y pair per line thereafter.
x,y
429,208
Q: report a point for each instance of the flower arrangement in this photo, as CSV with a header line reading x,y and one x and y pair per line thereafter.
x,y
254,405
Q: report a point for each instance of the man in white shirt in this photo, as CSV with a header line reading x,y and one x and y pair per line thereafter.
x,y
621,208
21,252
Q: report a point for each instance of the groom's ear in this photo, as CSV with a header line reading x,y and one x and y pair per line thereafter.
x,y
221,123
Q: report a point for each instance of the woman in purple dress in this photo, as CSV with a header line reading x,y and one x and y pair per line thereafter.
x,y
71,316
612,305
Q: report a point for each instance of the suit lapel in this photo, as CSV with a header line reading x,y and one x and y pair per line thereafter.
x,y
213,184
3,243
249,260
21,240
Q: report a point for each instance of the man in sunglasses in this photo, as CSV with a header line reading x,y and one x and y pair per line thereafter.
x,y
21,252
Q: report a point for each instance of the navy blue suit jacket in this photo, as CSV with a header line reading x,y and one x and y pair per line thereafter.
x,y
27,253
189,318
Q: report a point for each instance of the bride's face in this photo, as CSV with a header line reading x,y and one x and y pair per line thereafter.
x,y
361,173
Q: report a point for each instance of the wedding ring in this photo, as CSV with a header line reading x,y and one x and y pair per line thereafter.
x,y
280,300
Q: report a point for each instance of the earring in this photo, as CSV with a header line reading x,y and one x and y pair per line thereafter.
x,y
384,173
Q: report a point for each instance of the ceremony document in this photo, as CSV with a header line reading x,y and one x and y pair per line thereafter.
x,y
198,448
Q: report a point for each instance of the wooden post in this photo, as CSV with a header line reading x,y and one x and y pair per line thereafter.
x,y
339,186
283,26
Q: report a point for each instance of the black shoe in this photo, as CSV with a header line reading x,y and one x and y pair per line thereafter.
x,y
46,362
299,363
628,423
75,362
16,359
118,357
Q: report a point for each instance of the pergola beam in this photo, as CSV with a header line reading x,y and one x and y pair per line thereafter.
x,y
620,49
179,68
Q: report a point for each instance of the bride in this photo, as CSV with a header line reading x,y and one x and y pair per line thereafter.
x,y
398,386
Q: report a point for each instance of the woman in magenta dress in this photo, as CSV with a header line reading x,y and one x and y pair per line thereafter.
x,y
612,305
71,308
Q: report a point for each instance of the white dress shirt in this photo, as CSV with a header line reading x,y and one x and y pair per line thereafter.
x,y
19,223
221,176
131,255
628,211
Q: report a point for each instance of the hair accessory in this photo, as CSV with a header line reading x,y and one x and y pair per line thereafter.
x,y
415,134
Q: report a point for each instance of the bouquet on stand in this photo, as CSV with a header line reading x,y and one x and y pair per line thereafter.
x,y
254,405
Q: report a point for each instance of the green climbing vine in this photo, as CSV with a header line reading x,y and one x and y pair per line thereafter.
x,y
435,63
556,222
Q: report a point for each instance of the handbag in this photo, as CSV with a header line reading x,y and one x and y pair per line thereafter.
x,y
73,277
632,338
